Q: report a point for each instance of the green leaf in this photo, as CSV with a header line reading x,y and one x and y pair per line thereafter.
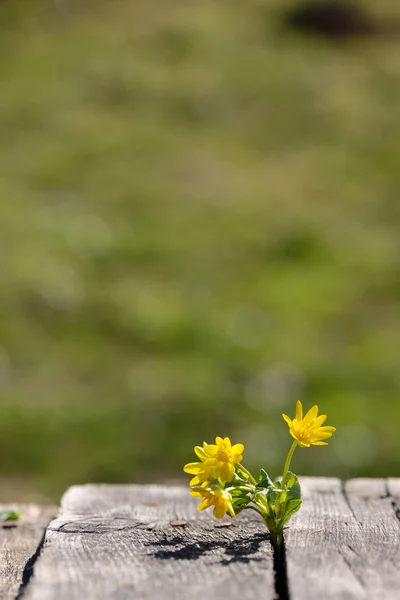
x,y
239,477
9,515
293,486
290,499
290,509
239,502
265,480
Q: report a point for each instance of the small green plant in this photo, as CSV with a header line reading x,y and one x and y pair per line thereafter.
x,y
8,515
222,482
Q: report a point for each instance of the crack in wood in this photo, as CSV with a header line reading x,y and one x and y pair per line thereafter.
x,y
100,529
346,497
348,564
280,571
29,567
395,506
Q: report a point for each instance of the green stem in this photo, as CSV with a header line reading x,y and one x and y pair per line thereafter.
x,y
250,476
243,488
276,538
262,503
287,463
257,511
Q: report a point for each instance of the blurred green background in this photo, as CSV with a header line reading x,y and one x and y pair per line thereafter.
x,y
200,224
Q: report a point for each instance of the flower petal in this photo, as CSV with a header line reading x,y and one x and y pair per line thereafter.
x,y
200,452
195,481
236,458
237,449
312,413
319,443
220,508
303,444
327,428
198,493
320,420
193,468
227,443
288,420
227,472
299,411
324,435
204,504
210,462
210,449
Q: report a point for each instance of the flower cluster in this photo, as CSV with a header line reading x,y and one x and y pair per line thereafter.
x,y
222,482
215,496
217,461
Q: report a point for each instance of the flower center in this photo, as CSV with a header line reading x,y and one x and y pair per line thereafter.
x,y
304,430
223,455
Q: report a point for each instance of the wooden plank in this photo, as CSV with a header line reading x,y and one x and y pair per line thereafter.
x,y
345,542
19,541
377,562
147,542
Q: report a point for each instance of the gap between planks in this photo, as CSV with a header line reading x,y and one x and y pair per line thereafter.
x,y
19,541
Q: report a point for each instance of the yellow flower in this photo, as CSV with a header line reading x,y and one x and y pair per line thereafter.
x,y
217,461
222,456
203,473
307,430
214,496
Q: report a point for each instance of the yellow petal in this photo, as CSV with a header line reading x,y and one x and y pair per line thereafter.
x,y
210,461
303,444
227,472
195,481
229,509
219,441
236,458
198,493
321,435
200,452
205,504
319,420
299,411
237,449
319,443
227,443
288,420
193,468
312,413
220,508
327,428
210,449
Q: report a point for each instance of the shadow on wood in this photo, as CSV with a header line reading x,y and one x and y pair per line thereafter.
x,y
337,19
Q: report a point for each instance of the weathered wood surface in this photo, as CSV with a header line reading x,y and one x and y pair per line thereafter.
x,y
345,541
18,544
149,542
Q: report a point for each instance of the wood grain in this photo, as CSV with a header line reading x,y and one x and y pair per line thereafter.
x,y
19,541
345,541
145,542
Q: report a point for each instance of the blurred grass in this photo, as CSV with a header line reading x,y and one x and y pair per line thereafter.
x,y
200,224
